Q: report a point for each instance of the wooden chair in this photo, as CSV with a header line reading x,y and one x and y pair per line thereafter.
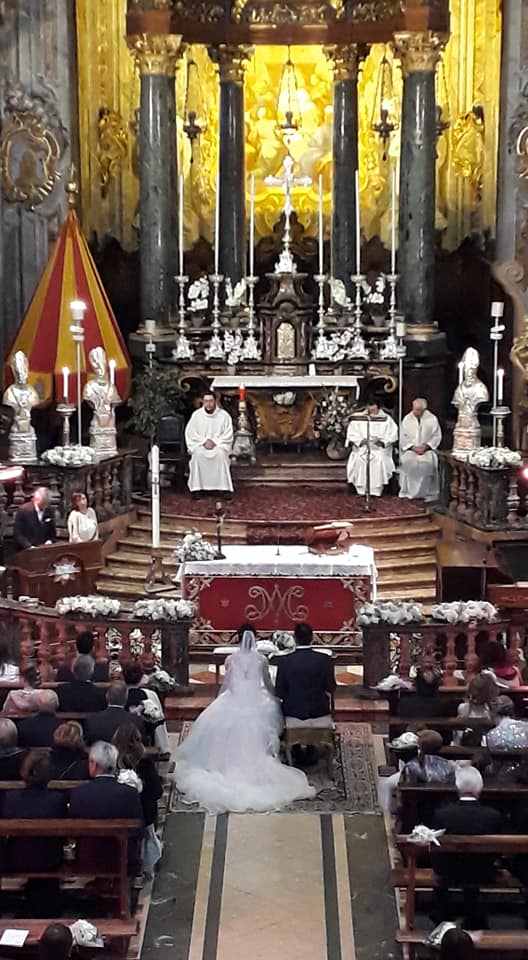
x,y
170,438
321,738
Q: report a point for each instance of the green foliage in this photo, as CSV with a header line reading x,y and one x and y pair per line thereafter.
x,y
155,394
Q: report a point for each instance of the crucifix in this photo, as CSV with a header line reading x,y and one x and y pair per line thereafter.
x,y
287,181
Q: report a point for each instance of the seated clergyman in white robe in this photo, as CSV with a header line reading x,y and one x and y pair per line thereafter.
x,y
419,439
209,439
371,443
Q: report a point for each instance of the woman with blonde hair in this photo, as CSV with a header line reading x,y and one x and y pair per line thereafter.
x,y
68,756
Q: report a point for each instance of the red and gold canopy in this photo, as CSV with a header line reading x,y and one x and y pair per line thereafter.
x,y
45,335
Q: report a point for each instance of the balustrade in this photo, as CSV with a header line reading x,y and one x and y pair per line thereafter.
x,y
489,499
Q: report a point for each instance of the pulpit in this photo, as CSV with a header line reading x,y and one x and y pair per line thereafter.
x,y
58,570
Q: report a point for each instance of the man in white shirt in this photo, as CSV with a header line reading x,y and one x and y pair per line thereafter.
x,y
419,439
371,440
209,439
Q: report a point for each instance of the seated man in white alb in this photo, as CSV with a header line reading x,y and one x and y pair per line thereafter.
x,y
420,437
371,440
209,439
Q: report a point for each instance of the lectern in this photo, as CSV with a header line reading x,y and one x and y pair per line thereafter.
x,y
58,570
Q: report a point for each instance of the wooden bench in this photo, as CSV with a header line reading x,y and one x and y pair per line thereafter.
x,y
492,943
118,830
496,795
111,930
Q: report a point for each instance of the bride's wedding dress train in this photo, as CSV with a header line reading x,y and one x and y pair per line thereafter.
x,y
229,760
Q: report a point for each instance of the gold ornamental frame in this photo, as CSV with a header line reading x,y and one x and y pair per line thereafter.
x,y
29,157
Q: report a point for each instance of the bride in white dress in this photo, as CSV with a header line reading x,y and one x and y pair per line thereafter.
x,y
229,761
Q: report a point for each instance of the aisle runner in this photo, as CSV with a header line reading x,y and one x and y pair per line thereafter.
x,y
353,789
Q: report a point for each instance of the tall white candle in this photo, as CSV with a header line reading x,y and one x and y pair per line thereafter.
x,y
500,384
497,308
320,227
155,491
217,227
358,226
252,226
393,221
112,369
65,376
180,225
460,372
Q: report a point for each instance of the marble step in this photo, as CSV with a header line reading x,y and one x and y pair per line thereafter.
x,y
363,529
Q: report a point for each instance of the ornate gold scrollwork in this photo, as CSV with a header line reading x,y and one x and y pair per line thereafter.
x,y
418,52
262,11
231,60
344,60
468,147
31,146
155,54
112,146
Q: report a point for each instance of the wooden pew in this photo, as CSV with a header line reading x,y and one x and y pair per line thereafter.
x,y
496,795
490,943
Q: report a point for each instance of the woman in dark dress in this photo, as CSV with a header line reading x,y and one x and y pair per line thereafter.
x,y
128,741
68,757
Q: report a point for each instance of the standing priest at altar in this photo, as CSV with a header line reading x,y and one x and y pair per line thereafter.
x,y
371,436
420,438
209,439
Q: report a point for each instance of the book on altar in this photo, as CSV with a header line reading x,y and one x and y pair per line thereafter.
x,y
332,537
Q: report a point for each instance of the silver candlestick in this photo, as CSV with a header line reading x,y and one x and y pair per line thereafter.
x,y
496,335
215,350
358,348
251,349
320,351
390,347
65,409
183,350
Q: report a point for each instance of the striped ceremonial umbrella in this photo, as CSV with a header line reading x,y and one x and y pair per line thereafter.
x,y
45,336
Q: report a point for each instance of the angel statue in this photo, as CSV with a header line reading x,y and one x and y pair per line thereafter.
x,y
22,397
234,296
468,396
100,392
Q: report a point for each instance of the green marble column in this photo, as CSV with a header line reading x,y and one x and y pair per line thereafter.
x,y
344,59
419,54
155,57
231,61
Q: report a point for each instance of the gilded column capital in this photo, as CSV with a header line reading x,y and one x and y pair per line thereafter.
x,y
419,52
231,60
155,54
344,59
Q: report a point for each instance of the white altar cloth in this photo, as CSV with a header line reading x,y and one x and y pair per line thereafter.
x,y
285,382
246,560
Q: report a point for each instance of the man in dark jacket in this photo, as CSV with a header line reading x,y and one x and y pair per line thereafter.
x,y
35,521
103,725
84,641
38,731
10,753
81,695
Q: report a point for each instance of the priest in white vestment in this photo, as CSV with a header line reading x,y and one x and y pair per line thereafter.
x,y
371,441
419,439
209,439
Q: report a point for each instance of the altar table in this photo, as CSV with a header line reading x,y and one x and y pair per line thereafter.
x,y
275,590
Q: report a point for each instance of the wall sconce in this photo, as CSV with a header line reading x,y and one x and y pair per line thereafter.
x,y
193,110
382,120
288,109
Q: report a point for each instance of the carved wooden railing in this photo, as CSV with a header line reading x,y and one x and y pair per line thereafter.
x,y
487,499
449,647
108,486
44,637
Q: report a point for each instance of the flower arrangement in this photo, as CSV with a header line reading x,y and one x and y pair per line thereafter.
x,y
130,779
198,295
152,712
161,681
494,458
332,417
283,639
397,612
374,294
462,611
164,609
91,605
194,547
72,456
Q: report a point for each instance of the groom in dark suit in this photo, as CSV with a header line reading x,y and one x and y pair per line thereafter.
x,y
305,684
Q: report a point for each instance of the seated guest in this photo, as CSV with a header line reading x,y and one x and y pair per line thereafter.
x,y
497,660
81,695
209,439
428,766
36,801
508,734
425,701
35,521
68,757
467,815
84,641
420,438
56,942
480,704
131,749
456,944
82,520
103,725
9,672
26,699
103,798
38,731
10,753
372,443
138,694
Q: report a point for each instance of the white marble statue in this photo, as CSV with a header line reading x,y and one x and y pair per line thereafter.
x,y
209,439
101,393
420,438
468,396
22,397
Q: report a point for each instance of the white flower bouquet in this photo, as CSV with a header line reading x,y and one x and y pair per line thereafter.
x,y
91,605
194,547
163,608
71,456
152,711
396,612
423,834
198,295
130,779
494,458
465,611
283,639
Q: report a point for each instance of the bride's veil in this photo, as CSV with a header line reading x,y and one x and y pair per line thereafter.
x,y
243,668
249,642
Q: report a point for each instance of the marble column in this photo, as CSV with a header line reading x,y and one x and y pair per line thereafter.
x,y
344,60
155,57
419,54
231,61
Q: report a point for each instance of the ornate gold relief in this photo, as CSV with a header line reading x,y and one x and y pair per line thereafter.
x,y
468,148
155,54
31,145
269,11
112,146
344,60
231,60
418,52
